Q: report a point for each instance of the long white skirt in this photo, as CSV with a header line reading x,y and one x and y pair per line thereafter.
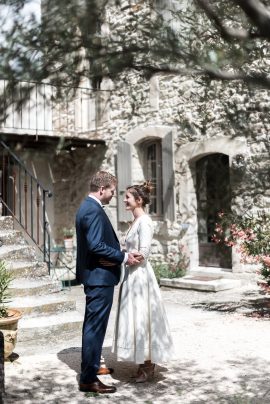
x,y
141,328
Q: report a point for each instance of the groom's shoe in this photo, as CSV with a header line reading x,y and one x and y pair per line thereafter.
x,y
104,371
97,387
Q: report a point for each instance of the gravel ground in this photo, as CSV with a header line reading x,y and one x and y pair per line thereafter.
x,y
222,355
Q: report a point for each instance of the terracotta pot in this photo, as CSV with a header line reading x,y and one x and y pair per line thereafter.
x,y
68,243
9,328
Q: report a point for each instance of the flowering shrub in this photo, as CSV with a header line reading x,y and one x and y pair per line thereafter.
x,y
251,236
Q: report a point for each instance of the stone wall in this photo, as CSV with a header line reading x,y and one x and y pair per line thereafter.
x,y
207,117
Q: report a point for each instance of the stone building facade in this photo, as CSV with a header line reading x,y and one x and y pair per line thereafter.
x,y
218,157
203,143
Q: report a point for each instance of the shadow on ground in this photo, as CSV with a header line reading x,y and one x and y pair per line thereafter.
x,y
252,305
243,382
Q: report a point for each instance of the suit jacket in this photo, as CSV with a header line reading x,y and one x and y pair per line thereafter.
x,y
96,239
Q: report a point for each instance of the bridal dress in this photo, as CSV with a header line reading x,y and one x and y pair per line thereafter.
x,y
141,329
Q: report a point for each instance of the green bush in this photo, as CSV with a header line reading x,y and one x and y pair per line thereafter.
x,y
5,280
168,271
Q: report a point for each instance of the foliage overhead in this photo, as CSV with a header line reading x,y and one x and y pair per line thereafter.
x,y
64,42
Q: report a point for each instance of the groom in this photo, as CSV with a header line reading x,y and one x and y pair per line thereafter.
x,y
98,268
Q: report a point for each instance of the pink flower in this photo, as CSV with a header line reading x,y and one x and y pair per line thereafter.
x,y
218,229
266,260
216,239
230,243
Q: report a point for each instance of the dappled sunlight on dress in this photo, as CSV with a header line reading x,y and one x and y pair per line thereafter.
x,y
141,329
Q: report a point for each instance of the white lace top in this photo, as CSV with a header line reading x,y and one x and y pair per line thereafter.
x,y
139,236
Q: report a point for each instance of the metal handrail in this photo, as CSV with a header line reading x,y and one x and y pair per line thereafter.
x,y
23,196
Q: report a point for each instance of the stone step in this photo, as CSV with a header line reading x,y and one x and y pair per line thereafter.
x,y
6,223
48,314
224,273
17,252
8,237
44,305
201,282
33,270
29,287
49,329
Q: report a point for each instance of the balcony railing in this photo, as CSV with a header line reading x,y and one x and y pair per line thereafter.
x,y
77,112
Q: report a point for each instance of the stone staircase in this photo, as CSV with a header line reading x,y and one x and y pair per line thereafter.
x,y
49,315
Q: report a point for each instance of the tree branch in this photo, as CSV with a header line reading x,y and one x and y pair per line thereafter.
x,y
255,78
226,32
258,14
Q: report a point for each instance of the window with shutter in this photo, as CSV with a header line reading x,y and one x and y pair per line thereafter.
x,y
123,178
158,166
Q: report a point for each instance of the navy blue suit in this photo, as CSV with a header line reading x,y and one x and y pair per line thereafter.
x,y
96,241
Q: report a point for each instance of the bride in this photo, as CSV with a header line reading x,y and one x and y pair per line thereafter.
x,y
141,330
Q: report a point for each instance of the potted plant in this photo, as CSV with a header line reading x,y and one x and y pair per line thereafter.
x,y
68,237
8,317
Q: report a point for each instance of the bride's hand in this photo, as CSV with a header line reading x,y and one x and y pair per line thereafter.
x,y
138,255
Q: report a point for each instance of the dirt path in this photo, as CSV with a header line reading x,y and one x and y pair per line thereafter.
x,y
221,356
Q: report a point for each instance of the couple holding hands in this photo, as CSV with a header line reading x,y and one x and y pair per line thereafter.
x,y
141,330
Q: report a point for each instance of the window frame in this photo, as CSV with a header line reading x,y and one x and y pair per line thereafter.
x,y
157,192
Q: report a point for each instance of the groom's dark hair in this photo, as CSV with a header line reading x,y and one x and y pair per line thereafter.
x,y
102,179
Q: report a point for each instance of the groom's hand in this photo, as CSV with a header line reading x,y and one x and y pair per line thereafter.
x,y
133,259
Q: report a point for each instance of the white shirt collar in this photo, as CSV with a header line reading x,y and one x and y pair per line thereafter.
x,y
96,199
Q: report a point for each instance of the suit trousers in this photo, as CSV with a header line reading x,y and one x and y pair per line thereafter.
x,y
97,310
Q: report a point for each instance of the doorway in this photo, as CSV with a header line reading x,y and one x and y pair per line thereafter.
x,y
213,193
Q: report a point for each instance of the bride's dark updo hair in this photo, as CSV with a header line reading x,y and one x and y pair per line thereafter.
x,y
141,191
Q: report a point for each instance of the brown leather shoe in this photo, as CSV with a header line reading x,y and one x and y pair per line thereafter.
x,y
97,387
104,371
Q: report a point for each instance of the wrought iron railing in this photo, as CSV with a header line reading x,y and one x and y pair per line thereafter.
x,y
24,198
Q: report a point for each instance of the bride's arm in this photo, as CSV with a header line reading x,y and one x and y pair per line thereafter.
x,y
145,232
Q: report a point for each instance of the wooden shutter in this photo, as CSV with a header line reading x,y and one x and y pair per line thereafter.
x,y
168,177
123,177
